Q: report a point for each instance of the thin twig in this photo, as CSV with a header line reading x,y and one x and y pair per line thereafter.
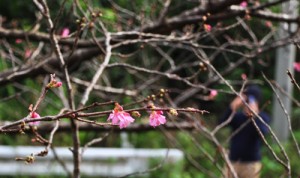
x,y
293,79
61,162
75,132
286,114
148,170
94,141
99,71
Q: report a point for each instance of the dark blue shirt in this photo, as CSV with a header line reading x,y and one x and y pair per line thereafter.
x,y
245,145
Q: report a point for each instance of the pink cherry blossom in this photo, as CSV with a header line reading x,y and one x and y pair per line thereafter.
x,y
207,27
125,120
244,4
269,24
58,84
297,66
34,115
120,117
18,41
54,84
27,53
213,93
244,76
65,32
156,118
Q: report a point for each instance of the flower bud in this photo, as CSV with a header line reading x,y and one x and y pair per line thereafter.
x,y
135,114
173,112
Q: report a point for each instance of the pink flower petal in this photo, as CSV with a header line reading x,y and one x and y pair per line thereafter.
x,y
58,84
125,120
18,41
244,76
27,53
269,24
162,119
244,4
207,27
213,93
297,66
65,32
34,115
156,118
120,117
114,119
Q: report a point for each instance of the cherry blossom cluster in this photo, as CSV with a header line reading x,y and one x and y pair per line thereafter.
x,y
118,116
123,118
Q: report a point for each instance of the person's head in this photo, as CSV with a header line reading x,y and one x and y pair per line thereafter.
x,y
253,93
253,96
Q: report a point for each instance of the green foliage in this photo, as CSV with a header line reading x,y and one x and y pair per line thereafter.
x,y
19,10
270,167
174,170
43,176
148,140
108,14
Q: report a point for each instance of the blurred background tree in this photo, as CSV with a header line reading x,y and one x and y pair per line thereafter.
x,y
181,46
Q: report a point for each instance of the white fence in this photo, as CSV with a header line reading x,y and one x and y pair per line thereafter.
x,y
95,162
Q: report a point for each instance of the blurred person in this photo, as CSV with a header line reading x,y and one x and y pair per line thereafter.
x,y
246,143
